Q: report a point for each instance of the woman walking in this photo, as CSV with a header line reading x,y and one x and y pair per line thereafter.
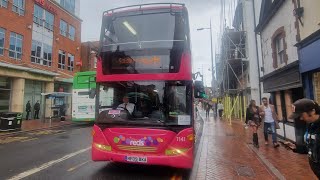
x,y
253,119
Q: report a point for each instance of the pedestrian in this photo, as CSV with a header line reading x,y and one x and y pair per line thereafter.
x,y
220,109
62,112
270,119
28,110
309,111
253,120
36,110
208,108
196,107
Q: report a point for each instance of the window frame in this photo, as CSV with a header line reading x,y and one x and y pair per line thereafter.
x,y
62,62
280,50
18,6
39,57
70,62
71,35
4,3
2,32
63,32
69,5
17,37
48,25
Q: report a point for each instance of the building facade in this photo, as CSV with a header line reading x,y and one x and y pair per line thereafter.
x,y
89,55
40,44
279,32
309,18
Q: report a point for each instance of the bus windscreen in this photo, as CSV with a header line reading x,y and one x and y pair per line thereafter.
x,y
144,43
148,102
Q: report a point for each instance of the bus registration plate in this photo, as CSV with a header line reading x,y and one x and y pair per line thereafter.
x,y
136,159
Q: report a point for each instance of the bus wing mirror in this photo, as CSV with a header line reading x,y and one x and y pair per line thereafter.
x,y
92,93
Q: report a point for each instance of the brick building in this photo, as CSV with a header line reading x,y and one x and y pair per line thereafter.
x,y
89,55
40,43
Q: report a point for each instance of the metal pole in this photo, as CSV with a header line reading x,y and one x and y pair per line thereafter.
x,y
212,71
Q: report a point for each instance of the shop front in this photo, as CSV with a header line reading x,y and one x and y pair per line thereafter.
x,y
5,93
285,87
309,55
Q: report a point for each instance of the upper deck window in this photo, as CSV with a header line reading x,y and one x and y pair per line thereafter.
x,y
135,43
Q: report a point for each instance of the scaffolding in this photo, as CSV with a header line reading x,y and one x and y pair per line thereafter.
x,y
231,74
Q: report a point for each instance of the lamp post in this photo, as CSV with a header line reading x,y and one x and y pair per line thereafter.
x,y
212,66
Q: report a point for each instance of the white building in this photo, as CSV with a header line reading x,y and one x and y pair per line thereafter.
x,y
279,31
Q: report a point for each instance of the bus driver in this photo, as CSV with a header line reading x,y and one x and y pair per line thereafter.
x,y
126,105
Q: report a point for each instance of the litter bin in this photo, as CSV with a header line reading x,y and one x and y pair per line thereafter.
x,y
18,121
10,121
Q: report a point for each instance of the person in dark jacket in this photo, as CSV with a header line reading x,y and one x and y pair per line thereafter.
x,y
208,108
28,110
309,111
253,119
36,110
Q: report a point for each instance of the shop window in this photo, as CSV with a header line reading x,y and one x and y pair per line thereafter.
x,y
15,50
2,37
4,3
5,93
72,32
316,86
288,101
278,104
62,60
70,62
18,7
63,28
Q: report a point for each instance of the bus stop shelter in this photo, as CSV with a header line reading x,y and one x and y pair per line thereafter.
x,y
54,100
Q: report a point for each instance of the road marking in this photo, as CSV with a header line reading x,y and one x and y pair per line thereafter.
x,y
7,140
27,140
60,133
77,166
47,165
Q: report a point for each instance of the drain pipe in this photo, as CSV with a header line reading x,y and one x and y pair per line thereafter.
x,y
257,52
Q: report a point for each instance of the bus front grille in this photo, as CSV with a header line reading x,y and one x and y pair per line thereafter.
x,y
137,148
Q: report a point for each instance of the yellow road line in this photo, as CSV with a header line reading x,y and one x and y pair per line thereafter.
x,y
29,139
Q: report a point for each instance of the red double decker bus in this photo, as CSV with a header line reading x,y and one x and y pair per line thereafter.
x,y
144,91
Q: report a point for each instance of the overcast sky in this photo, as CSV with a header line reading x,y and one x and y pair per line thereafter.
x,y
200,12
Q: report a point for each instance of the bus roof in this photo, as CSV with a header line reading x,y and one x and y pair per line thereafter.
x,y
84,80
85,73
140,7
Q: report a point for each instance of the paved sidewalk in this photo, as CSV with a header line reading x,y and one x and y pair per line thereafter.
x,y
30,125
226,152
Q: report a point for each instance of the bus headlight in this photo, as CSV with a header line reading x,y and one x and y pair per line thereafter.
x,y
174,152
103,147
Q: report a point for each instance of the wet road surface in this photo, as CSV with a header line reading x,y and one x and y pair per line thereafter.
x,y
65,154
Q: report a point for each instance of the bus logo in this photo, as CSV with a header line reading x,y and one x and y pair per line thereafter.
x,y
145,141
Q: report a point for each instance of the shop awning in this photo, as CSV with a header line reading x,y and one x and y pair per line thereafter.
x,y
56,94
33,70
65,80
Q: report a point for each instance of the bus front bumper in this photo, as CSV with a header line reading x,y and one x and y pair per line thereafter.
x,y
184,160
